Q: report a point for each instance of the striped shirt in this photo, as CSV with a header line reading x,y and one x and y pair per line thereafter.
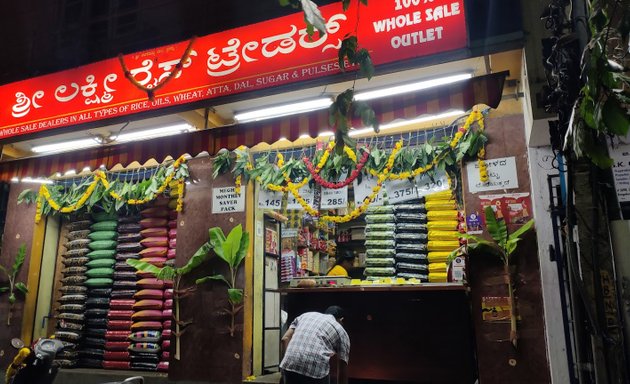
x,y
316,338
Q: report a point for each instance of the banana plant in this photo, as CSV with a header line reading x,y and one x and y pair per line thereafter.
x,y
175,275
503,245
232,249
13,284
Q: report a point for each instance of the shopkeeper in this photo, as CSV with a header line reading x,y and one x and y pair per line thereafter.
x,y
345,261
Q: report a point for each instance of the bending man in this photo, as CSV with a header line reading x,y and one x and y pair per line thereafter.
x,y
312,339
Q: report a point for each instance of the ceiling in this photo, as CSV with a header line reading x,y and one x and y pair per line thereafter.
x,y
223,114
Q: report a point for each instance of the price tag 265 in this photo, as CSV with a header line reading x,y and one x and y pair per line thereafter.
x,y
399,191
269,199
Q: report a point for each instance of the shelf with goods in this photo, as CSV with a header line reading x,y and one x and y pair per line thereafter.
x,y
412,239
315,244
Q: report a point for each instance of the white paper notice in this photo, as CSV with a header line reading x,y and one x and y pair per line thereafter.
x,y
399,191
501,175
363,190
307,194
427,186
226,200
269,200
621,170
334,198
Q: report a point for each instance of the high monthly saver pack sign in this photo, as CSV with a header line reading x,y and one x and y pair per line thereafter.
x,y
257,56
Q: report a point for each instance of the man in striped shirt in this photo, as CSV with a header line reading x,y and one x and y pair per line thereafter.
x,y
312,339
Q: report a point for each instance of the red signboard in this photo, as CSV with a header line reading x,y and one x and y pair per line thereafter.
x,y
257,56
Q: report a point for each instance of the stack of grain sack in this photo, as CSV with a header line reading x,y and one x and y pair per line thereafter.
x,y
124,287
411,241
167,307
147,318
380,242
100,281
71,316
444,222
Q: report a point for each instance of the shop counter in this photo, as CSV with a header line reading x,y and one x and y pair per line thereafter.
x,y
415,334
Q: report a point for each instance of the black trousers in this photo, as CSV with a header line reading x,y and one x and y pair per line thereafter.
x,y
296,378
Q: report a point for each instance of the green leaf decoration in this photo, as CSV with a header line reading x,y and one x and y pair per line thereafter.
x,y
217,277
167,273
4,289
12,298
241,252
496,228
143,266
313,15
21,287
231,245
523,229
202,254
27,196
19,260
615,117
235,295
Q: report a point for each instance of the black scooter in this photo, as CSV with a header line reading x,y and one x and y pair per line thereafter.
x,y
36,365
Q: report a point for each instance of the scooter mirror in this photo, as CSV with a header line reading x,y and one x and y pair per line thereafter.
x,y
17,343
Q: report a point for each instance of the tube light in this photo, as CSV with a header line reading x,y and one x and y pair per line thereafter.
x,y
283,110
66,146
326,134
36,181
411,87
70,172
15,179
396,124
155,132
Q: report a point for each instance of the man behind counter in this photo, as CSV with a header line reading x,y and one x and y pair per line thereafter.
x,y
309,344
345,261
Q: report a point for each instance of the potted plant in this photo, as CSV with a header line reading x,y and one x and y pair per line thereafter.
x,y
503,246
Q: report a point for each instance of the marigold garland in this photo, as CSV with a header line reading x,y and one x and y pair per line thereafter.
x,y
481,156
101,177
475,116
358,211
180,195
382,176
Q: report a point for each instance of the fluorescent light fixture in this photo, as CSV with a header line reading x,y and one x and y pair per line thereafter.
x,y
36,181
70,172
304,136
402,123
86,169
66,146
411,87
155,132
326,134
15,179
283,110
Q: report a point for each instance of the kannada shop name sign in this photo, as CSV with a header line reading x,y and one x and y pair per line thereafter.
x,y
257,56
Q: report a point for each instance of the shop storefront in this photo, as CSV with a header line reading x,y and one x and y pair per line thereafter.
x,y
399,202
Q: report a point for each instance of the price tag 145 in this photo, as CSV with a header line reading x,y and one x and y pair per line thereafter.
x,y
269,199
399,191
